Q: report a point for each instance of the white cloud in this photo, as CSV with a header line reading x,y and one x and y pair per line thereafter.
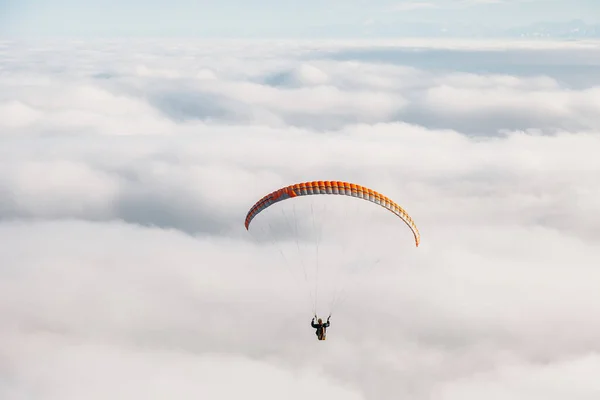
x,y
413,5
450,4
124,185
487,1
552,381
98,371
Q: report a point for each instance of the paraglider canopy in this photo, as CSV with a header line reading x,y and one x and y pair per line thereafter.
x,y
331,187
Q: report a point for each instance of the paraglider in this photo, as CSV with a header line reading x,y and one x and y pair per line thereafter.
x,y
321,328
307,230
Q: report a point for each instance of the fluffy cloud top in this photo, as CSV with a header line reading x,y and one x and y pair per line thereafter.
x,y
127,169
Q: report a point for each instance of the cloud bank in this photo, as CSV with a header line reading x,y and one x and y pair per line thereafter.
x,y
127,168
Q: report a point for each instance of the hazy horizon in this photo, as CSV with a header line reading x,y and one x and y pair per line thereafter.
x,y
284,19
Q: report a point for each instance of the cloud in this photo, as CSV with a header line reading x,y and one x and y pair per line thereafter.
x,y
136,372
127,170
486,1
413,5
441,5
524,381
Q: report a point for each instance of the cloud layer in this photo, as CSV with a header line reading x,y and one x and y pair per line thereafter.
x,y
127,169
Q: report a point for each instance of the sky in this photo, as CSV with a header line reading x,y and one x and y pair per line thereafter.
x,y
128,165
281,18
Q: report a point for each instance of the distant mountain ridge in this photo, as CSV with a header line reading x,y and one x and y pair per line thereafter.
x,y
574,29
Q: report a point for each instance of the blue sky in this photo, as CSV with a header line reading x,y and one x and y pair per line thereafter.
x,y
286,18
